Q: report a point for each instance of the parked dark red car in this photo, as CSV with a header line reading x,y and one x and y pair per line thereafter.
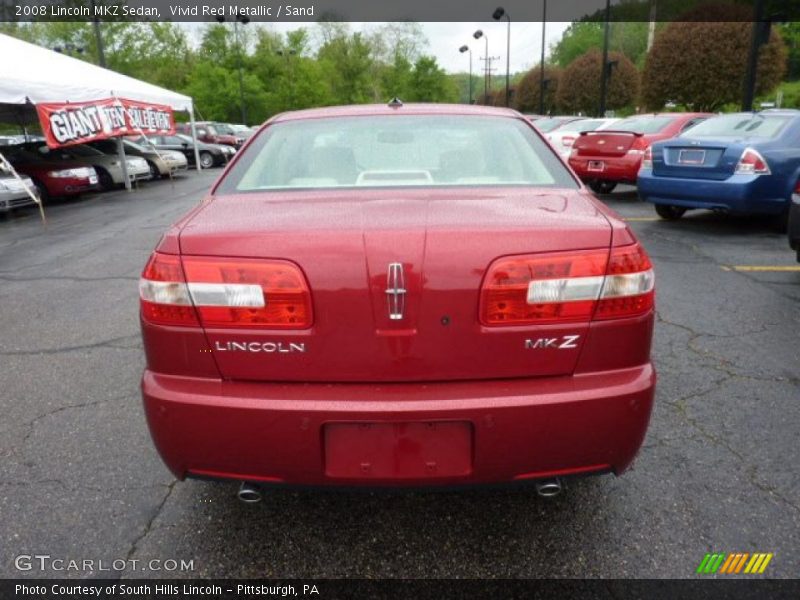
x,y
604,158
52,178
213,133
401,295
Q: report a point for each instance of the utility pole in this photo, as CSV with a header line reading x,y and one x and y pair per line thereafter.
x,y
487,76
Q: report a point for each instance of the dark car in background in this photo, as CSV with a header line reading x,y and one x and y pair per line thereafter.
x,y
605,158
743,163
212,132
53,175
211,155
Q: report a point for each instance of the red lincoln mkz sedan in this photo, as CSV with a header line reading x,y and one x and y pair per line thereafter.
x,y
398,296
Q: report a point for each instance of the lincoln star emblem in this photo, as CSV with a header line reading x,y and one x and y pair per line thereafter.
x,y
601,142
395,291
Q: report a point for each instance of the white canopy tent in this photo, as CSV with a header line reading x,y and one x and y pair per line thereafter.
x,y
31,74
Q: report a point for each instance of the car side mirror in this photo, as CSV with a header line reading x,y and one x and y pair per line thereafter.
x,y
185,144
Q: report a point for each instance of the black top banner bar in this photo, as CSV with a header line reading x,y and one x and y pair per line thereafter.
x,y
405,10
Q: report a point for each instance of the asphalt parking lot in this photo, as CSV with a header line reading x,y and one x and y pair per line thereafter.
x,y
81,479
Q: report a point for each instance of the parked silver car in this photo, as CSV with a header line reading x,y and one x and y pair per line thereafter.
x,y
12,192
160,162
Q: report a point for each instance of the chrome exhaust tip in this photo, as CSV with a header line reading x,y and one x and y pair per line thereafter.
x,y
549,488
249,493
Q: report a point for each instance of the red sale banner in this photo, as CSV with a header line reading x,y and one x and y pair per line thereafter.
x,y
81,122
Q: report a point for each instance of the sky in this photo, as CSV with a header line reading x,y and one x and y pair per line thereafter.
x,y
444,40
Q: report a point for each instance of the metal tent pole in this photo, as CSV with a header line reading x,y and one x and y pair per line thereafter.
x,y
194,139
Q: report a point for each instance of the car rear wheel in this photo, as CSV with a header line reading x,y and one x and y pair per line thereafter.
x,y
669,212
602,187
206,160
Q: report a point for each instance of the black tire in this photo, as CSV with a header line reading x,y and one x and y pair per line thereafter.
x,y
669,212
780,223
154,172
206,159
44,196
602,187
104,179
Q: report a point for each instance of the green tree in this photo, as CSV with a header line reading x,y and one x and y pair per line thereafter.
x,y
579,87
526,98
429,83
702,64
790,32
577,40
347,63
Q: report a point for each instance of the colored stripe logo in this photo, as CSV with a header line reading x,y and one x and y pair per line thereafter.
x,y
734,563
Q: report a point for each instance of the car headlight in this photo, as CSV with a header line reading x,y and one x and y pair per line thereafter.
x,y
3,187
79,173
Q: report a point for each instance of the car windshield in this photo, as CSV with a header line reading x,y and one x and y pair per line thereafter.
x,y
642,124
740,126
581,125
399,151
136,147
184,138
223,129
549,123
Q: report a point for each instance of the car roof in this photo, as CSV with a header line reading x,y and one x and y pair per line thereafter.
x,y
362,110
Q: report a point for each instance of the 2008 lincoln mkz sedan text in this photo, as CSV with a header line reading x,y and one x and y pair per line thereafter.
x,y
398,295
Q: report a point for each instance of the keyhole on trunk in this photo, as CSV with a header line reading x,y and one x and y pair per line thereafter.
x,y
445,320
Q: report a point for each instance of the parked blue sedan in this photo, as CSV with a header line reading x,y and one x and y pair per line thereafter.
x,y
744,163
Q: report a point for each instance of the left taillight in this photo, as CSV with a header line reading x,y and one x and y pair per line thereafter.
x,y
567,287
218,292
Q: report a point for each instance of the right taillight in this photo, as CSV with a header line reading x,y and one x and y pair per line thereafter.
x,y
567,287
647,158
752,163
218,292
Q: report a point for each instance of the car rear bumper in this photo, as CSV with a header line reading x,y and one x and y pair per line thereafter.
x,y
622,169
462,433
738,193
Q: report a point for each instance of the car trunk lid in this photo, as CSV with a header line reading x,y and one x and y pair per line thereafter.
x,y
395,280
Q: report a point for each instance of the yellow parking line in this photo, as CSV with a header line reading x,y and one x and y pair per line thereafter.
x,y
762,268
642,219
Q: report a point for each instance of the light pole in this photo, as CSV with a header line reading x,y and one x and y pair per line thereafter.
x,y
101,55
244,20
604,70
542,84
463,49
498,14
478,35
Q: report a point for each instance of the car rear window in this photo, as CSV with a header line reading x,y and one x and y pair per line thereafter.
x,y
549,124
396,151
738,126
642,124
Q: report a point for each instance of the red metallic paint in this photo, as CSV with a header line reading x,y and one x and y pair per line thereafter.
x,y
530,413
